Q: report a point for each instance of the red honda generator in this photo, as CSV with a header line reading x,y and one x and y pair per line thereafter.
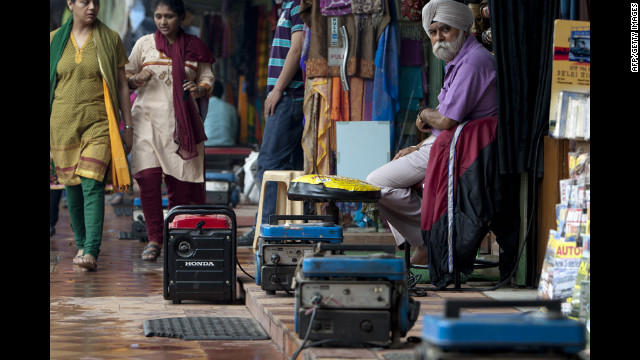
x,y
200,254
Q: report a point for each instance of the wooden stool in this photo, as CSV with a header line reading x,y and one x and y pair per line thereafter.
x,y
284,206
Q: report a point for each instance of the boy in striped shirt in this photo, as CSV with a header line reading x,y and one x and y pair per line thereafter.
x,y
281,147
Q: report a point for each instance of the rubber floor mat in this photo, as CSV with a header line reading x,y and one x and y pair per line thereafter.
x,y
206,328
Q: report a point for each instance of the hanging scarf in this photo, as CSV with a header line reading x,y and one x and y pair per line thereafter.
x,y
412,9
189,130
368,13
120,176
385,102
367,7
56,48
105,48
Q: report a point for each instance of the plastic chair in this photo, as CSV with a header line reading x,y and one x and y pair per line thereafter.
x,y
284,206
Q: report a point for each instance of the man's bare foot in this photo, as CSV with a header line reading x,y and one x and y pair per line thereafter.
x,y
419,256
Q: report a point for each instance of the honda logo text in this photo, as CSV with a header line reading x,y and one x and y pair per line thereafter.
x,y
199,263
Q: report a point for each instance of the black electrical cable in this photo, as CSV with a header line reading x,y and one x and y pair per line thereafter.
x,y
277,279
412,281
306,337
240,266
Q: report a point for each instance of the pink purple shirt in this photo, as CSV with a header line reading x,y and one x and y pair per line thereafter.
x,y
469,89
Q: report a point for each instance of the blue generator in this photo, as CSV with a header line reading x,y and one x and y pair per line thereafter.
x,y
281,247
353,300
527,335
221,188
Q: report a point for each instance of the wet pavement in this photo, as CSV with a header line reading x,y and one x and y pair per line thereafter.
x,y
99,314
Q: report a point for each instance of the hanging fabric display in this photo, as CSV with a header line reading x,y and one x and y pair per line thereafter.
x,y
335,7
340,67
262,50
368,99
339,102
316,136
310,134
386,102
212,32
412,9
411,51
362,44
368,13
367,7
305,50
356,99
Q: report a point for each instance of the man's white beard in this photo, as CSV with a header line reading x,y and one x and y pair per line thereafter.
x,y
447,50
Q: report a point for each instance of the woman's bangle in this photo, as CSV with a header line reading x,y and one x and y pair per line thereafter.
x,y
128,127
129,82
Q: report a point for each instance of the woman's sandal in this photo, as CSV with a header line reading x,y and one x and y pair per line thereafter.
x,y
88,262
78,258
151,252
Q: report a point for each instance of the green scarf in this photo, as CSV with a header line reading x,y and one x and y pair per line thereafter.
x,y
105,47
56,48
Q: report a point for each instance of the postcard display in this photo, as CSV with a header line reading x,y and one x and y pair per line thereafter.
x,y
566,268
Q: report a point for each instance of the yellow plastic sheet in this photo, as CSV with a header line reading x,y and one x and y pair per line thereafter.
x,y
336,182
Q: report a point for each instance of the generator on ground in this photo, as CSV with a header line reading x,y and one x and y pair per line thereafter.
x,y
527,335
353,300
200,254
281,247
222,188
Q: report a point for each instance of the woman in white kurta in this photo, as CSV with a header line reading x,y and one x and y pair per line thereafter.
x,y
168,137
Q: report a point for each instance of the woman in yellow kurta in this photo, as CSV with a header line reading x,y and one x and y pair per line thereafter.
x,y
88,87
172,71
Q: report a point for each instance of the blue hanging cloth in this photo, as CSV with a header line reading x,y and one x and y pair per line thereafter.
x,y
386,103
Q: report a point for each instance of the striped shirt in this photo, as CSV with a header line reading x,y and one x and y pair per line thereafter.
x,y
288,23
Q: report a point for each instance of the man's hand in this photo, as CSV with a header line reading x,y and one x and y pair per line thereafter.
x,y
432,119
271,101
423,126
405,152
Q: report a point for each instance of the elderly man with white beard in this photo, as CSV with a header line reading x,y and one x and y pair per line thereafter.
x,y
468,92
